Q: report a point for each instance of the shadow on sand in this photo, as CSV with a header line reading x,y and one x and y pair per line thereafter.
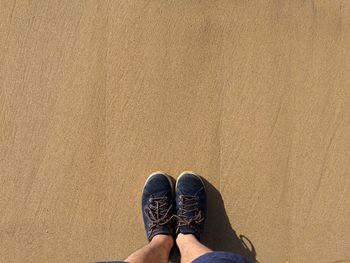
x,y
218,234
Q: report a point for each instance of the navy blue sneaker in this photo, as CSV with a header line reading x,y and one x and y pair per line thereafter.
x,y
191,204
158,205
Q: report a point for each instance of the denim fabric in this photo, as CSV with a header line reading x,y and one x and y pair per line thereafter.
x,y
221,257
212,257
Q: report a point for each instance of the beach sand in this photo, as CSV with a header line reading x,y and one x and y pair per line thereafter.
x,y
252,95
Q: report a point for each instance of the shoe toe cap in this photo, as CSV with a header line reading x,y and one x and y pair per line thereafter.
x,y
157,185
189,184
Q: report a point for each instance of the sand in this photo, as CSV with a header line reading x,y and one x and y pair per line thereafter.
x,y
96,95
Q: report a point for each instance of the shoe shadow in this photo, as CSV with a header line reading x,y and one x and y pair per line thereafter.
x,y
218,234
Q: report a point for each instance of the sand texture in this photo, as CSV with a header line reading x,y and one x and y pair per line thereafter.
x,y
252,95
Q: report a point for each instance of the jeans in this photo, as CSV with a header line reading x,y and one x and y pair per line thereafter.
x,y
211,257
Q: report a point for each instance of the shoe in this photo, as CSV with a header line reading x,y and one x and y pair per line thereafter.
x,y
191,204
158,205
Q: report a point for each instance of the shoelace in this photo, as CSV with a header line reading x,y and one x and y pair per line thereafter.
x,y
158,213
188,204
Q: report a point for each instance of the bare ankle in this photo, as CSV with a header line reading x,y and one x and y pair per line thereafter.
x,y
156,251
190,247
183,239
165,241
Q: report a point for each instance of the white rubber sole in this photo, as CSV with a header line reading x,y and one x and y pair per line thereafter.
x,y
162,173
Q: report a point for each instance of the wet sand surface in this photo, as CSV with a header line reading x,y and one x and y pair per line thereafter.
x,y
252,95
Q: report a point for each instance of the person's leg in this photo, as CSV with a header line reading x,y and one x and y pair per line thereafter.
x,y
157,212
156,251
190,248
191,210
192,251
